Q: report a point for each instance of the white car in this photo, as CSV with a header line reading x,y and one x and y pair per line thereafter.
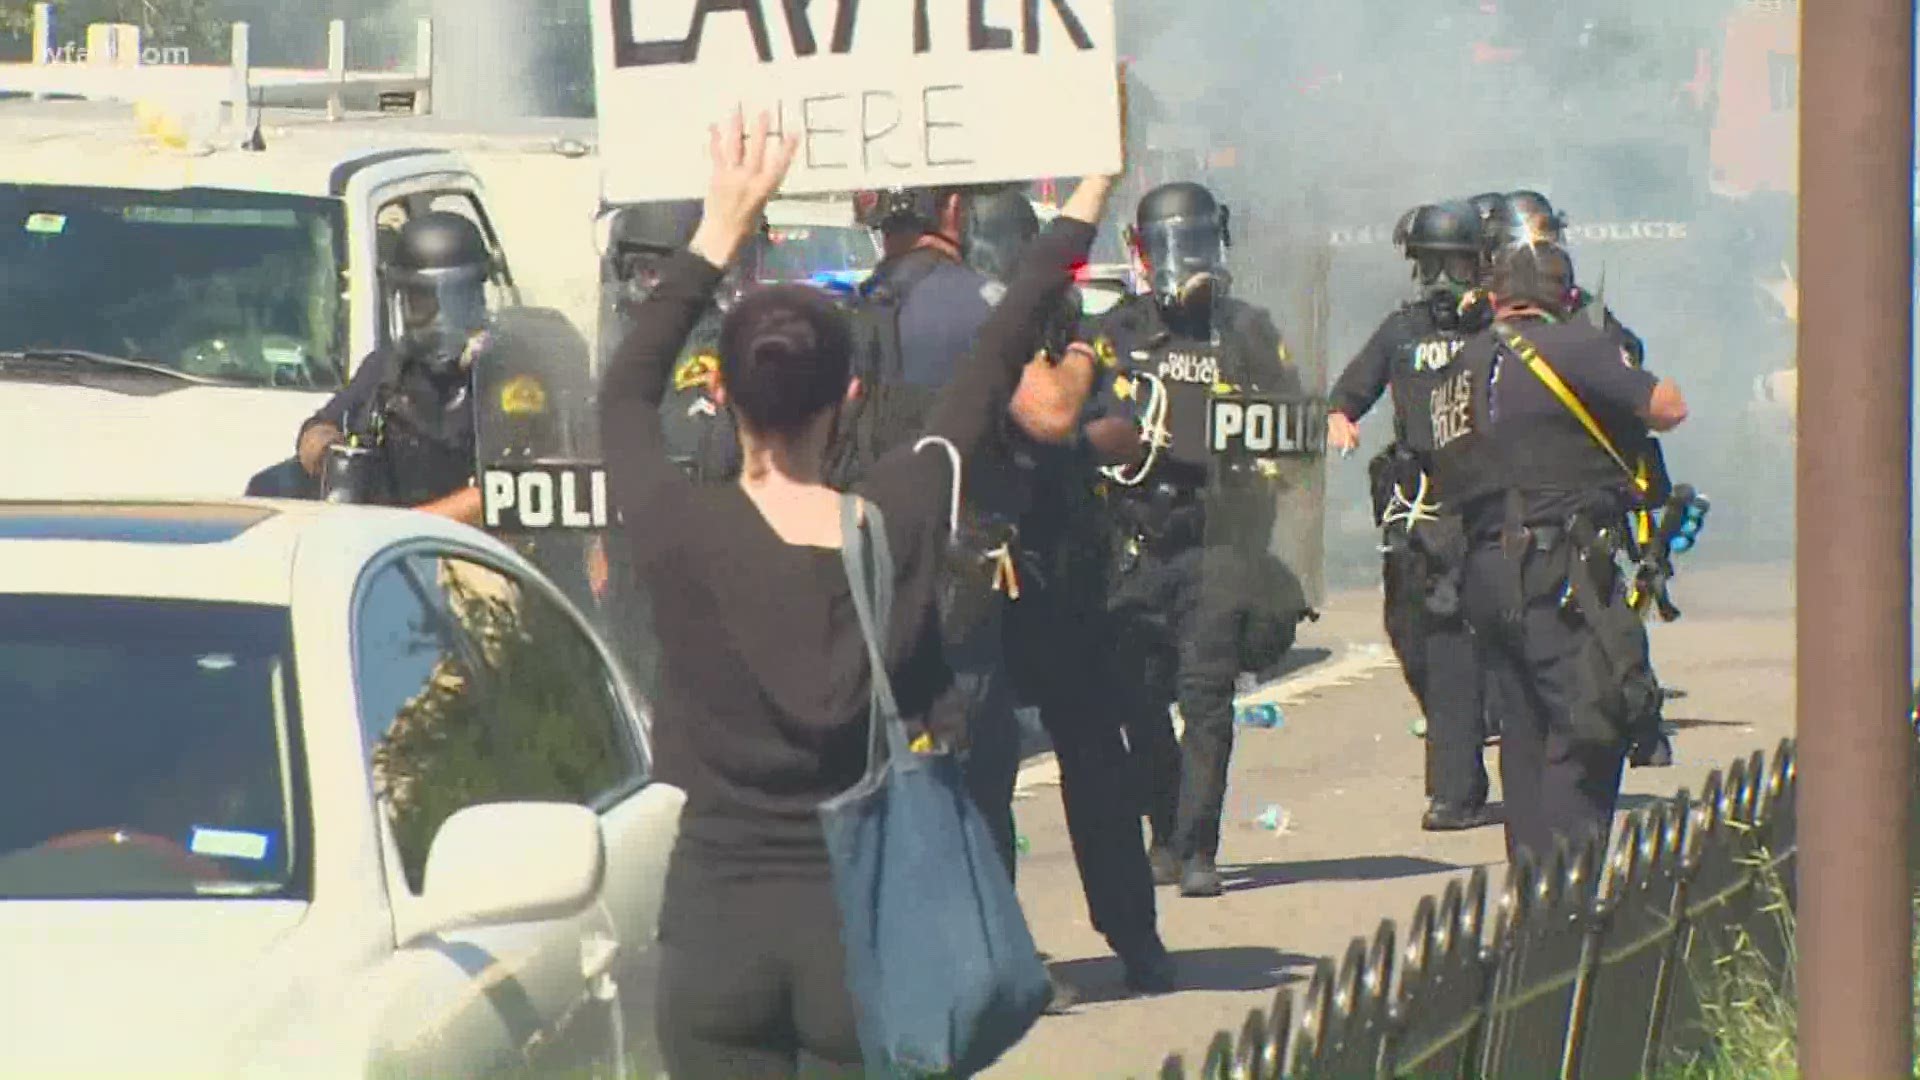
x,y
297,789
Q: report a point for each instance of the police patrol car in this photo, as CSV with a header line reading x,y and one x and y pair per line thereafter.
x,y
187,277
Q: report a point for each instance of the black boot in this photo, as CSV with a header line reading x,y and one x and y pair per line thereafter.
x,y
1064,996
1652,752
1149,968
1444,817
1166,868
1201,878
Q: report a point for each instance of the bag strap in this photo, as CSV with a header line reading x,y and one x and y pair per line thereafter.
x,y
873,602
1544,371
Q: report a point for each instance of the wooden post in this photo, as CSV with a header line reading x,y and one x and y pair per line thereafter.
x,y
423,68
1854,489
336,67
242,78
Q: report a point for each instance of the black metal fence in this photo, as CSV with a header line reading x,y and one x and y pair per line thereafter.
x,y
1589,966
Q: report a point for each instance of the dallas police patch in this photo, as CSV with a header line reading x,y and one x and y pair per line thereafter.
x,y
695,371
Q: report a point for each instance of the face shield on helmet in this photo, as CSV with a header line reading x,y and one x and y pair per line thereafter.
x,y
1457,271
441,311
639,269
1186,261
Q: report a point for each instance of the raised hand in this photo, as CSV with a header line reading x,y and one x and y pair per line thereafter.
x,y
747,170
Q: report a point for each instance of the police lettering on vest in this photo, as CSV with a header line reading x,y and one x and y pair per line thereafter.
x,y
1435,353
1452,409
1192,368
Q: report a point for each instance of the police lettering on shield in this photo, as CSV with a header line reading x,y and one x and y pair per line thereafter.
x,y
1261,427
545,497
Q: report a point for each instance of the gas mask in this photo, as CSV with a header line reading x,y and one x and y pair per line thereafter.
x,y
443,312
1186,262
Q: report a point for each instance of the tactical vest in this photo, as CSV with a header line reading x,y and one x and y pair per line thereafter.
x,y
424,434
1192,371
1419,368
1480,452
890,412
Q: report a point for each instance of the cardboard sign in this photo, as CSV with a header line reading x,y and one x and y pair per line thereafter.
x,y
882,93
1265,427
549,495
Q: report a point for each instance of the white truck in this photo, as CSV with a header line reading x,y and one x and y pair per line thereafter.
x,y
186,274
179,289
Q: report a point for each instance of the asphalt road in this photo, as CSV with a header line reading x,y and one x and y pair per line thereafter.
x,y
1343,777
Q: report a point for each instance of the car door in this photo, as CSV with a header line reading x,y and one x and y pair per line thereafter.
x,y
440,736
562,690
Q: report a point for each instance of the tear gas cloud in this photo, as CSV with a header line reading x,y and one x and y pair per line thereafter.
x,y
1322,121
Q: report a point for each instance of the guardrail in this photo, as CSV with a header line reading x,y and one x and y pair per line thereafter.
x,y
114,70
1586,967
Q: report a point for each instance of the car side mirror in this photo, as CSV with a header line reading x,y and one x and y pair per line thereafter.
x,y
513,862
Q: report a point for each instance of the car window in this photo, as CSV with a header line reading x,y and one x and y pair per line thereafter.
x,y
475,689
151,750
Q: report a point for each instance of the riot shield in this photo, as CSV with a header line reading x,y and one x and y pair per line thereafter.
x,y
541,476
1267,494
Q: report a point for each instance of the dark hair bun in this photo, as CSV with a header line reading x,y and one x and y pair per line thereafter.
x,y
785,357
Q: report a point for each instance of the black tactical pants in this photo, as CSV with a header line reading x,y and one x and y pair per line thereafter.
x,y
1436,655
1055,645
1559,774
1178,620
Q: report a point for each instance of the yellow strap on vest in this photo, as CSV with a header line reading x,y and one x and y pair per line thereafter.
x,y
1551,378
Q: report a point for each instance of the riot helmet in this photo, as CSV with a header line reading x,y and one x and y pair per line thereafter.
x,y
1180,235
1486,204
1000,225
438,272
1533,209
1540,274
641,237
1443,240
1523,218
916,212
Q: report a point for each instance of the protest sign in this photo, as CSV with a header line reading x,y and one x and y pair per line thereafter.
x,y
882,93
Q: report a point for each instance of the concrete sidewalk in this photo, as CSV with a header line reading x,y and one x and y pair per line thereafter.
x,y
1345,776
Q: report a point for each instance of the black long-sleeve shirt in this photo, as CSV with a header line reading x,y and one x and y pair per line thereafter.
x,y
762,707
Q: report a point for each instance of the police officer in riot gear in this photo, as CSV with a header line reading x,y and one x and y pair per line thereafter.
x,y
698,431
1544,505
1411,354
1055,633
401,433
1195,598
1527,217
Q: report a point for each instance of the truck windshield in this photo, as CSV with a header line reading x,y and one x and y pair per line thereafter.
x,y
238,286
148,748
